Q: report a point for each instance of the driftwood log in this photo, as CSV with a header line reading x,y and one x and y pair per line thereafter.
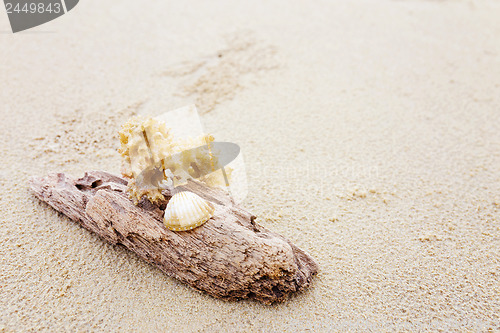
x,y
229,257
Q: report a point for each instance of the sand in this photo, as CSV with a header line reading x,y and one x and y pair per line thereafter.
x,y
371,137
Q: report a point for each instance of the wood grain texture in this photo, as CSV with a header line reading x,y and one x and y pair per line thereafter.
x,y
229,257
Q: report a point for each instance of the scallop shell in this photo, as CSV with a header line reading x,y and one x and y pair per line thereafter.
x,y
186,211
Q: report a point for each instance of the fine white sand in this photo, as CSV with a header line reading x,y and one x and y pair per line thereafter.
x,y
371,134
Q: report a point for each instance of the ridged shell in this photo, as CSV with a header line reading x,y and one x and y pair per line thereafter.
x,y
186,211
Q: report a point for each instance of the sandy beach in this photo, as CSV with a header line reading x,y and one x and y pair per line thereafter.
x,y
371,137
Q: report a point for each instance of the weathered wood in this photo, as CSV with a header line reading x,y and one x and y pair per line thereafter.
x,y
229,257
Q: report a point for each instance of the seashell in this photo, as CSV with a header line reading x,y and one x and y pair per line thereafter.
x,y
186,211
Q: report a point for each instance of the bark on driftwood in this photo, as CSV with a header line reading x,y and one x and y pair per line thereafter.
x,y
229,257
